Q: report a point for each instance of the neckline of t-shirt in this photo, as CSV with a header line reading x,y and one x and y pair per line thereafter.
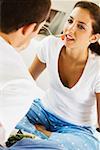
x,y
80,79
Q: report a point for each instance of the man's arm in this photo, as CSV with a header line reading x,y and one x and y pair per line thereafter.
x,y
36,68
16,99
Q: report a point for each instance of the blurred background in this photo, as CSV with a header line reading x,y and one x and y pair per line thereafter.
x,y
60,10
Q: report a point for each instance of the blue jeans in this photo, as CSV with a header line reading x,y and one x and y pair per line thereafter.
x,y
70,136
29,144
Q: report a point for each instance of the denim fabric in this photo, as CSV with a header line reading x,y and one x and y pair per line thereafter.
x,y
70,136
29,144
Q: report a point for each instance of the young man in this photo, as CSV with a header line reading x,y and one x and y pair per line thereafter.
x,y
19,22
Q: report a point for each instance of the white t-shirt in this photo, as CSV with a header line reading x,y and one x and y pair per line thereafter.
x,y
78,104
17,87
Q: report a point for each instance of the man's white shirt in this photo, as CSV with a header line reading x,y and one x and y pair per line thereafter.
x,y
17,88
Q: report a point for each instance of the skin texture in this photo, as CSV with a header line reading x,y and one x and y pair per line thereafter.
x,y
43,130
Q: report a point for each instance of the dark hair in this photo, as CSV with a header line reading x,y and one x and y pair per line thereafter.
x,y
17,13
94,11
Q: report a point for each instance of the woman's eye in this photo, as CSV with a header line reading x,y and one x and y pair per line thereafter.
x,y
70,21
81,27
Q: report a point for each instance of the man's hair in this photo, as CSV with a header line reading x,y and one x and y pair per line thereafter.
x,y
17,13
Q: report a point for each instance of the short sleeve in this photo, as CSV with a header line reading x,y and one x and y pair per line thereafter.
x,y
43,49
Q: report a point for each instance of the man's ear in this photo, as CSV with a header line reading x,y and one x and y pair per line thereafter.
x,y
95,38
28,29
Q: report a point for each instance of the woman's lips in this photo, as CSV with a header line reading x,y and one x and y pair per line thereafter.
x,y
69,37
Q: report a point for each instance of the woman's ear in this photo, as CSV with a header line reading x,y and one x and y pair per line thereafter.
x,y
28,29
95,38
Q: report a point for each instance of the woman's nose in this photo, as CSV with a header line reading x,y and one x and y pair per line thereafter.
x,y
72,27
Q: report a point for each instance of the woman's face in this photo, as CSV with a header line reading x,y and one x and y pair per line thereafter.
x,y
78,29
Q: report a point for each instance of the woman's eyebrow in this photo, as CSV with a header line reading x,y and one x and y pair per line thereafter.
x,y
79,21
71,17
83,23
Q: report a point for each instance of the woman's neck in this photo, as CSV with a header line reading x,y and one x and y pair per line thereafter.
x,y
76,55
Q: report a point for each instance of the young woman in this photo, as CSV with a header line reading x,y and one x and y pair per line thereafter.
x,y
69,106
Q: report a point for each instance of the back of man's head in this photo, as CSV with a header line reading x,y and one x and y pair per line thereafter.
x,y
17,13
